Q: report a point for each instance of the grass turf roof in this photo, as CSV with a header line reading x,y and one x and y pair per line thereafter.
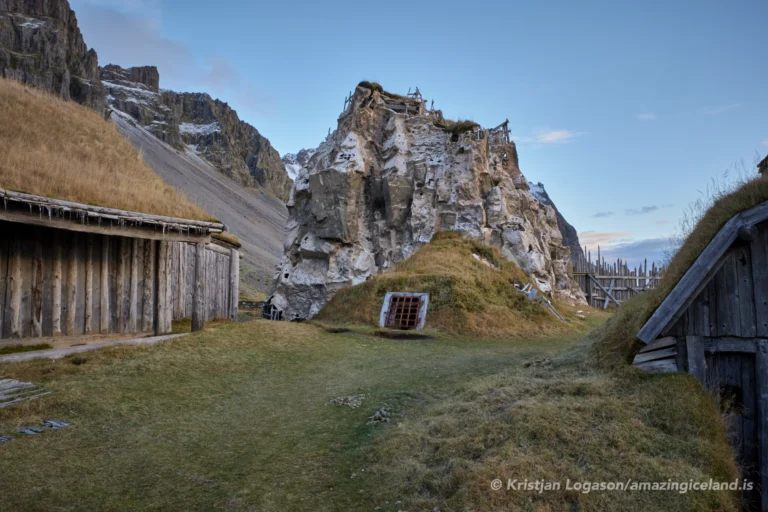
x,y
618,343
466,295
63,150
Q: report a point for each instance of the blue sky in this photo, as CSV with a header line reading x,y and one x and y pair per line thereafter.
x,y
624,110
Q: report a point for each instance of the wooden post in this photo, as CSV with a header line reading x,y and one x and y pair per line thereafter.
x,y
697,365
163,283
89,285
148,316
37,291
104,288
123,256
14,285
761,369
169,288
181,295
133,294
56,312
198,289
72,286
234,283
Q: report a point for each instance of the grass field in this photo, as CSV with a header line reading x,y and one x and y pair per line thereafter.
x,y
238,418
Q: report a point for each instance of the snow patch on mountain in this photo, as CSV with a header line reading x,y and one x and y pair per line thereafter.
x,y
199,129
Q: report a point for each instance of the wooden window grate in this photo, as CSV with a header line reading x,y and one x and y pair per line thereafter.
x,y
403,312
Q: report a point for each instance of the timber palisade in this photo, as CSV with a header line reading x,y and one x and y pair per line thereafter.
x,y
69,269
714,325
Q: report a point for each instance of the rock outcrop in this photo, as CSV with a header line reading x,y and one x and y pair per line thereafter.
x,y
197,123
388,178
41,45
295,161
570,235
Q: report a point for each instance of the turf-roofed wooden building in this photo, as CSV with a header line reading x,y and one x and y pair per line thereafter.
x,y
73,269
714,325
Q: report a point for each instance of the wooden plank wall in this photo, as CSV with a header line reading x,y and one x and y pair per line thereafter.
x,y
735,302
56,282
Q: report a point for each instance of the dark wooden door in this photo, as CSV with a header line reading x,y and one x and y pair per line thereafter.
x,y
731,377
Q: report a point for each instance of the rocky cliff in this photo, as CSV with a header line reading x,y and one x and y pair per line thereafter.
x,y
295,161
390,176
41,45
570,235
197,123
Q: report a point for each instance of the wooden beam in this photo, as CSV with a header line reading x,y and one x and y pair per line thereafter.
x,y
606,292
728,344
46,203
234,283
56,286
89,285
15,289
104,313
37,291
104,228
148,312
124,255
696,362
133,294
685,291
163,282
659,344
72,286
198,289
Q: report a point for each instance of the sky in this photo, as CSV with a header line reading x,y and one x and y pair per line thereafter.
x,y
625,111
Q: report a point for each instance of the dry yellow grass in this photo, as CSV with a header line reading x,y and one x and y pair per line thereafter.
x,y
618,343
63,150
466,296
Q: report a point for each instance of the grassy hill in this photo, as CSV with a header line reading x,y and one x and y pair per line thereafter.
x,y
63,150
471,292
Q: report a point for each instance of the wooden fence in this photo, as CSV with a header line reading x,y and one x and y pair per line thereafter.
x,y
613,282
55,282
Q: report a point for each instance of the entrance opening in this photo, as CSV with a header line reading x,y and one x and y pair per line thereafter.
x,y
404,311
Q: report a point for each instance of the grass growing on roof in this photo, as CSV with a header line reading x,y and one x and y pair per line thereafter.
x,y
63,150
466,296
618,344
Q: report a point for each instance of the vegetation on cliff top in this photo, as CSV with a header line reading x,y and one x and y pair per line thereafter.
x,y
617,342
63,150
467,296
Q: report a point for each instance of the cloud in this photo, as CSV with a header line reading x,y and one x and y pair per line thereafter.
x,y
722,109
646,116
663,221
595,238
614,245
642,210
547,136
603,214
765,142
636,251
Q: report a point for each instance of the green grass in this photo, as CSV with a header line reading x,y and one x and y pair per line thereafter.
x,y
238,417
23,348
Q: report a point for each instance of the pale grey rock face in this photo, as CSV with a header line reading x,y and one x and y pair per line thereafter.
x,y
384,182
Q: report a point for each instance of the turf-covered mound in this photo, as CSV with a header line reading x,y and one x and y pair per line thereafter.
x,y
471,292
617,343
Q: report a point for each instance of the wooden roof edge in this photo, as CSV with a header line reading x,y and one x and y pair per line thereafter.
x,y
683,293
99,212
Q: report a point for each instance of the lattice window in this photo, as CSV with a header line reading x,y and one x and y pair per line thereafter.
x,y
403,312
